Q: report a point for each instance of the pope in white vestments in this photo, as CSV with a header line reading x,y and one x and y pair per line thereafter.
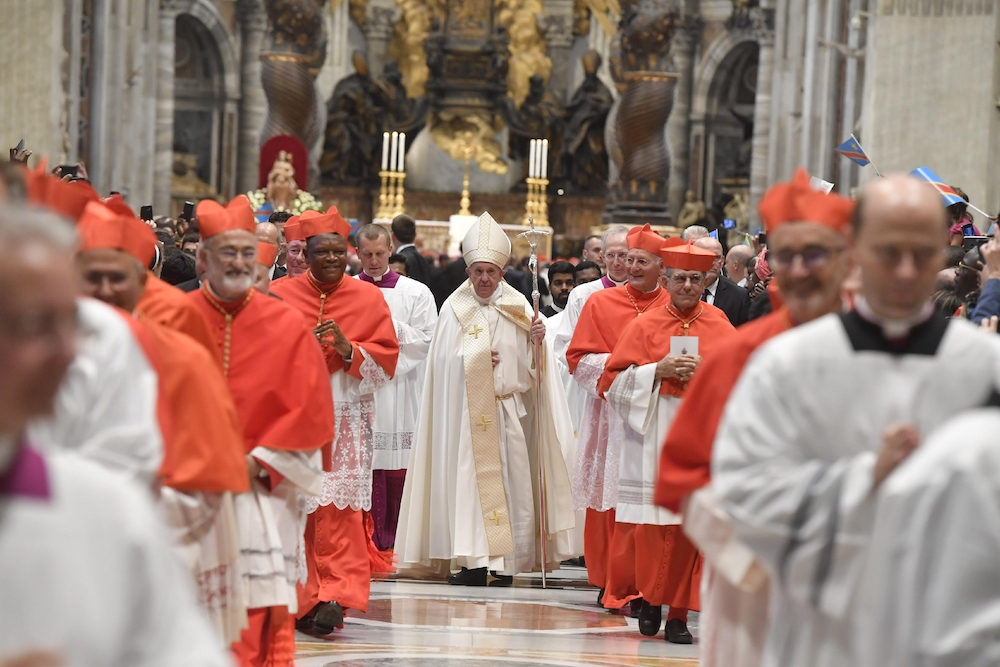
x,y
106,406
470,498
794,458
933,582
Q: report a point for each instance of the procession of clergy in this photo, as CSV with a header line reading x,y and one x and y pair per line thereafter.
x,y
695,465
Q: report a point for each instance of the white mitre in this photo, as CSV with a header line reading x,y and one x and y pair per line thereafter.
x,y
486,242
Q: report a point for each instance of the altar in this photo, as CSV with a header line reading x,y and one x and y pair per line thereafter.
x,y
442,237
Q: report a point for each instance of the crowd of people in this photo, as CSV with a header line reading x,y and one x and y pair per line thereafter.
x,y
215,431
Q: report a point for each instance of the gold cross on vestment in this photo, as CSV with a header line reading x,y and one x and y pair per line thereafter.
x,y
475,331
494,517
484,422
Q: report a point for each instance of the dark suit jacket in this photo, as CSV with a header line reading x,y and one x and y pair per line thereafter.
x,y
188,285
447,280
733,300
549,311
279,272
416,266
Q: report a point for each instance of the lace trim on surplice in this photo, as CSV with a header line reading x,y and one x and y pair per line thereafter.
x,y
349,481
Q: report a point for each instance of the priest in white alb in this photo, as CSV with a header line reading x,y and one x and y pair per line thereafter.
x,y
414,316
471,495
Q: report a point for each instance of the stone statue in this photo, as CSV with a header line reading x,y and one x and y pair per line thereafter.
x,y
396,111
352,139
538,118
583,159
692,213
282,192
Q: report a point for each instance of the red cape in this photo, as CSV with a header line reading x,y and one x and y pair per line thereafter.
x,y
686,460
647,340
204,448
164,304
604,318
276,374
358,308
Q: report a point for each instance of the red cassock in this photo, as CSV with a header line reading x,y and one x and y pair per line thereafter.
x,y
337,544
164,304
659,563
686,459
602,320
204,449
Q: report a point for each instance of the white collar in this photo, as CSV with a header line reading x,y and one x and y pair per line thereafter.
x,y
493,298
376,279
714,286
893,329
405,246
557,308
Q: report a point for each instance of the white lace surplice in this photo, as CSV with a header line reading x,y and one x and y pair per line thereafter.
x,y
598,442
348,483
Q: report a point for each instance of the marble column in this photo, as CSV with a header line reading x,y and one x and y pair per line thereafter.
x,y
378,31
253,102
679,124
761,146
163,157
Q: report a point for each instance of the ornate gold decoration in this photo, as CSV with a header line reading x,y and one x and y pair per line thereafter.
x,y
184,179
449,127
282,190
468,151
407,46
527,45
581,18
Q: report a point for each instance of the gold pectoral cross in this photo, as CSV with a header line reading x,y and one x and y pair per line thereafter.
x,y
494,517
475,331
484,422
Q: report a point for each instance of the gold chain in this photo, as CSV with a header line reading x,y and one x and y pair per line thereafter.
x,y
687,324
227,341
648,306
322,295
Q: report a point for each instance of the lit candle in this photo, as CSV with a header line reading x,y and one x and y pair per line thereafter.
x,y
402,152
531,159
545,158
395,147
385,151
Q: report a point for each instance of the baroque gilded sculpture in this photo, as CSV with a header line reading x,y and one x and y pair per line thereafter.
x,y
583,160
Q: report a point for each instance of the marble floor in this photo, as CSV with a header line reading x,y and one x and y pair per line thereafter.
x,y
423,624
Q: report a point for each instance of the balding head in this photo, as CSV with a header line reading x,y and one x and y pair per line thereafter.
x,y
269,233
901,232
694,232
713,246
736,262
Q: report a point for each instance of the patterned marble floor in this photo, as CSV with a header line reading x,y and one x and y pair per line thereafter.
x,y
420,624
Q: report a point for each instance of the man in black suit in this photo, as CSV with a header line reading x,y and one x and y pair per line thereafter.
x,y
404,233
722,292
560,284
268,232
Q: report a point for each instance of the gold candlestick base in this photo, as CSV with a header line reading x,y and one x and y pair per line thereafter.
x,y
464,203
400,192
383,195
536,206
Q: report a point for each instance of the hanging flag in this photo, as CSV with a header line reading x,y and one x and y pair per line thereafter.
x,y
947,192
852,150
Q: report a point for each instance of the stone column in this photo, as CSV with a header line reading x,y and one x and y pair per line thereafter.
x,y
557,26
163,158
378,30
764,29
253,102
679,123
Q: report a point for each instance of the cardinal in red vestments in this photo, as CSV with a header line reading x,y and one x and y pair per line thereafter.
x,y
164,304
353,323
602,320
285,425
806,232
644,380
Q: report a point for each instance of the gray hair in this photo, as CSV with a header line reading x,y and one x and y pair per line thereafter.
x,y
694,231
612,231
373,232
20,223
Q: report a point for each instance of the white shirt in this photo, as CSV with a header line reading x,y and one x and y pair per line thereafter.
x,y
711,292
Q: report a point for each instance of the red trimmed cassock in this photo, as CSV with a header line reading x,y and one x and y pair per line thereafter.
x,y
337,540
650,556
262,342
595,482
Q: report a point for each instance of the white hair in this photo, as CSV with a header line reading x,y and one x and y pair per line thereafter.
x,y
20,223
695,231
612,231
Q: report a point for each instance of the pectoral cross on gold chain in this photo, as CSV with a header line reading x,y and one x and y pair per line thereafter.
x,y
475,331
484,422
685,325
494,518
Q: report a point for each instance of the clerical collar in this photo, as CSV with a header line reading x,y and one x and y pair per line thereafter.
x,y
24,472
924,338
893,329
226,307
493,298
608,282
404,247
557,308
387,280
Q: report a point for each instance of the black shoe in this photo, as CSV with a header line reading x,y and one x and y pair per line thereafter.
x,y
650,618
500,580
327,617
575,562
634,606
467,577
600,598
677,632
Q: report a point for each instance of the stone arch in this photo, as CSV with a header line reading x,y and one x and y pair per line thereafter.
x,y
208,14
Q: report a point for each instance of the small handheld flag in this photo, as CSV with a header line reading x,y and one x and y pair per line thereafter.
x,y
947,192
852,150
714,234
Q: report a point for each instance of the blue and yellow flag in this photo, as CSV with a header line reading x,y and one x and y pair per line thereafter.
x,y
852,150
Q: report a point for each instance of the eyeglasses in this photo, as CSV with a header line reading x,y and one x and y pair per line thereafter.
x,y
230,254
680,281
814,257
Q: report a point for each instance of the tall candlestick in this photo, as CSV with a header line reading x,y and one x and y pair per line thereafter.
x,y
385,151
395,147
531,159
402,152
545,159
